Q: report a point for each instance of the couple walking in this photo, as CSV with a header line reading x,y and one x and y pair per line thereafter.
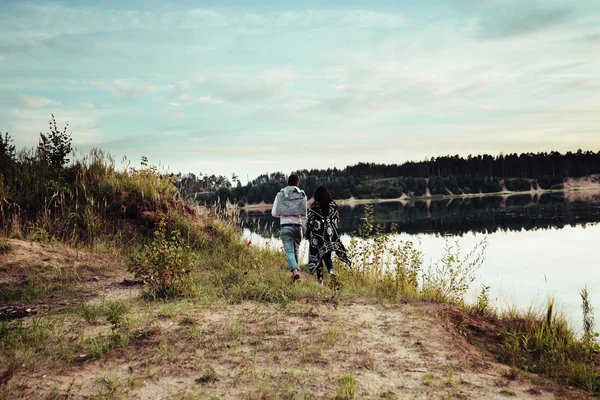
x,y
320,223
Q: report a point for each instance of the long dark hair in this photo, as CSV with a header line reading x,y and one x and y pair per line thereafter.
x,y
324,198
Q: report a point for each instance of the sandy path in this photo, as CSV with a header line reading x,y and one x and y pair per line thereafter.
x,y
265,352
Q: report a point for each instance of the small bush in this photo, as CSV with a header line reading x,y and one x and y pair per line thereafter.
x,y
483,301
166,263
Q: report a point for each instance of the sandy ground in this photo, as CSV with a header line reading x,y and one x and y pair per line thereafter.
x,y
303,350
261,351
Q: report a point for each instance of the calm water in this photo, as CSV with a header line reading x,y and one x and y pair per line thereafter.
x,y
537,246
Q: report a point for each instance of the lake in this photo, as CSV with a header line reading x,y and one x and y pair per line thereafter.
x,y
539,246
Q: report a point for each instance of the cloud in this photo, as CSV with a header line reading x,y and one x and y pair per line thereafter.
x,y
88,125
128,88
173,116
268,83
179,89
525,22
562,67
211,100
26,26
357,19
36,101
503,19
595,38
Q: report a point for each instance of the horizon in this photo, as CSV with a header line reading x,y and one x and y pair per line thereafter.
x,y
229,87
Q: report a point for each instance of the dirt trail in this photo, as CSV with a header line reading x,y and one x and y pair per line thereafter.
x,y
263,351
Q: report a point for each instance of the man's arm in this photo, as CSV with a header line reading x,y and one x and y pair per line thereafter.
x,y
304,217
274,209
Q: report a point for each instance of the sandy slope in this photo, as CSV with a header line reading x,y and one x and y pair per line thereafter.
x,y
393,352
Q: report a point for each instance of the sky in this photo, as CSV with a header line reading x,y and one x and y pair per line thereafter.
x,y
250,87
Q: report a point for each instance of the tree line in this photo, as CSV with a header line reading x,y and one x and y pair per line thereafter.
x,y
434,176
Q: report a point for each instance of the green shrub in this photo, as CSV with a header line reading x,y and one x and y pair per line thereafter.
x,y
166,263
55,146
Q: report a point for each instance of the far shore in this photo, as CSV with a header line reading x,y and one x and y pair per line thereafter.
x,y
262,206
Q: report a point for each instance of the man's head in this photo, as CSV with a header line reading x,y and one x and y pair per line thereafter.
x,y
293,180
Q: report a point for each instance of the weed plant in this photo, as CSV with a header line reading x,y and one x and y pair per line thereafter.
x,y
394,269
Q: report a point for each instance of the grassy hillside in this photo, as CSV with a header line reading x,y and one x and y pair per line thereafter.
x,y
112,286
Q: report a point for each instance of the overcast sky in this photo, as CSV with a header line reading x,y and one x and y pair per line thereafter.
x,y
263,86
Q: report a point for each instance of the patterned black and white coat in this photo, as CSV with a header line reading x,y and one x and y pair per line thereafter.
x,y
323,234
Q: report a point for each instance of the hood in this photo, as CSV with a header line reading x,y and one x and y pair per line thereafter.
x,y
292,192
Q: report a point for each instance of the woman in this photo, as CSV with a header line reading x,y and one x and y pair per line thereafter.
x,y
323,234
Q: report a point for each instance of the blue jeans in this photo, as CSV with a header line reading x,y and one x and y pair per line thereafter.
x,y
291,237
328,263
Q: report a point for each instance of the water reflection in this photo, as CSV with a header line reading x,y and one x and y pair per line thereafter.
x,y
538,246
457,217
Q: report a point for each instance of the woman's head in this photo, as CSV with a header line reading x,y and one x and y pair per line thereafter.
x,y
323,197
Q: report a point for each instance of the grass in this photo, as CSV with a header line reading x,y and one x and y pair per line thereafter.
x,y
346,387
4,246
543,343
112,310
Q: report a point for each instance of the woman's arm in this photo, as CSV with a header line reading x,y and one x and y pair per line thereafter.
x,y
309,223
335,213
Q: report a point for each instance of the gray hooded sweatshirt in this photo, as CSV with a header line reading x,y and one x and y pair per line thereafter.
x,y
290,202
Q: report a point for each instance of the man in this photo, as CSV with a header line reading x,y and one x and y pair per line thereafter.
x,y
290,207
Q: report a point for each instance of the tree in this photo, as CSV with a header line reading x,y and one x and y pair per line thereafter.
x,y
254,195
7,150
55,146
7,154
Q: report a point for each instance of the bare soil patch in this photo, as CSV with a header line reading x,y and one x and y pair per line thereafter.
x,y
38,276
301,351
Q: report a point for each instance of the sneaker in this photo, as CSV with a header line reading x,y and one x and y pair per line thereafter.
x,y
331,272
320,280
296,278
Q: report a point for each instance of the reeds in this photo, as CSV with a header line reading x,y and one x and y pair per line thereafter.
x,y
542,342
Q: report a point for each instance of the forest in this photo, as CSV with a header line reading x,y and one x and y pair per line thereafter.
x,y
447,175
